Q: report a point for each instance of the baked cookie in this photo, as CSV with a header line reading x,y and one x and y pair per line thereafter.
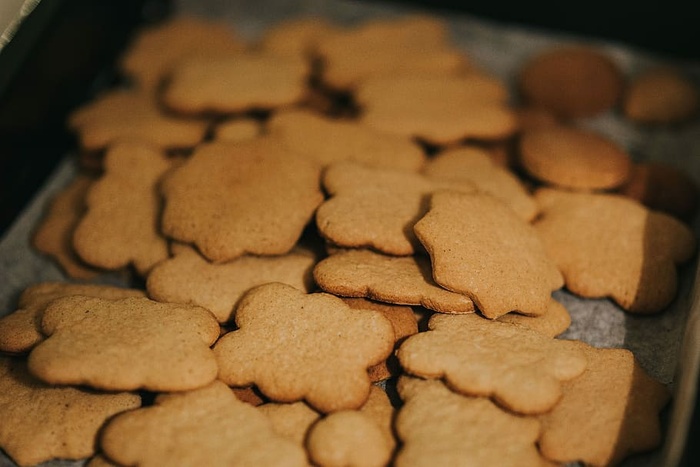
x,y
189,278
623,420
153,52
573,158
235,84
611,246
553,322
439,427
661,96
520,369
127,114
399,280
295,346
450,109
20,330
474,166
291,421
207,426
120,226
54,236
230,199
479,247
42,422
125,344
372,208
326,141
240,129
571,81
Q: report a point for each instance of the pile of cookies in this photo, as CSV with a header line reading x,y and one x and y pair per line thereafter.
x,y
344,242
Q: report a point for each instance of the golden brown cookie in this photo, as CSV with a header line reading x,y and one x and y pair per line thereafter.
x,y
208,426
400,280
240,83
241,129
126,114
42,422
406,45
20,331
450,108
373,208
479,247
608,413
571,81
120,226
661,95
54,236
574,158
552,323
327,141
235,198
155,50
295,346
290,420
189,278
439,427
125,344
520,369
475,166
612,246
405,324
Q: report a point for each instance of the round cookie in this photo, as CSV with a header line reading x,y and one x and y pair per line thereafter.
x,y
572,81
661,95
573,158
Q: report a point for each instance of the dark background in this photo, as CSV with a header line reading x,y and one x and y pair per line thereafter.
x,y
63,52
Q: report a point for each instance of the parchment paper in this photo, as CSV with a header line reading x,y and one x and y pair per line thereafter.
x,y
657,341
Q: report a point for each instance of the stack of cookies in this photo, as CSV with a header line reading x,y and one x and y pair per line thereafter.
x,y
343,244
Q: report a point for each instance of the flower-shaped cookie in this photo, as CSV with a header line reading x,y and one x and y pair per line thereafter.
x,y
295,346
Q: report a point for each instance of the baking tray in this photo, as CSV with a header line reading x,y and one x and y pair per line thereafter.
x,y
667,345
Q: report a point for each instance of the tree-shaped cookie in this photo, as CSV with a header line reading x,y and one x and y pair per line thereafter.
x,y
376,208
235,198
120,226
439,427
623,420
479,247
327,141
21,329
519,368
403,280
42,422
295,346
208,426
610,246
126,344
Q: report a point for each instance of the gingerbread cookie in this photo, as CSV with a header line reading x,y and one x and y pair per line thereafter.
x,y
520,369
571,81
451,108
611,246
475,166
235,84
623,420
661,95
372,208
208,426
241,129
42,422
189,278
20,331
573,158
479,247
235,198
327,141
291,421
439,427
399,280
155,50
126,114
54,236
286,341
553,322
125,344
120,226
